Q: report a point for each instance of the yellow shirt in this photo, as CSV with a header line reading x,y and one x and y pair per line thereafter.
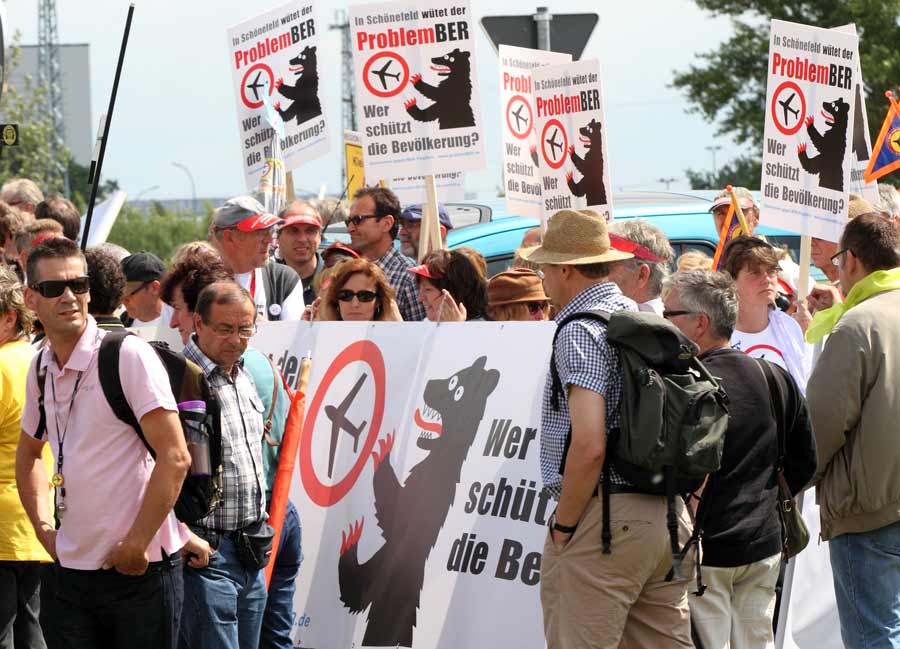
x,y
18,541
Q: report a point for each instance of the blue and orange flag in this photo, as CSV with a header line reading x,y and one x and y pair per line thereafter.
x,y
886,152
733,227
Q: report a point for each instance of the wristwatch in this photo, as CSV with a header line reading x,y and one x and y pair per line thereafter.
x,y
559,527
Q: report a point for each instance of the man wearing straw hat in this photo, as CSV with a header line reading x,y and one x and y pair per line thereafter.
x,y
591,599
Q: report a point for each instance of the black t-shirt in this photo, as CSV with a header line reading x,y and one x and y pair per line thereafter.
x,y
738,509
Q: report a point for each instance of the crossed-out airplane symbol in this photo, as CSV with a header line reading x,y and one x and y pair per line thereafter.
x,y
554,144
256,85
382,73
786,105
519,119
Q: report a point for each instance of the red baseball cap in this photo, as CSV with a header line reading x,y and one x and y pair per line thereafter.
x,y
627,245
300,219
339,248
422,270
244,213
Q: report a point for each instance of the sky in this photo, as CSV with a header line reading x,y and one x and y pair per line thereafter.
x,y
176,101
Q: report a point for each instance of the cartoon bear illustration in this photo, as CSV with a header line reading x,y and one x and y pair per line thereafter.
x,y
452,96
831,145
411,515
305,93
590,167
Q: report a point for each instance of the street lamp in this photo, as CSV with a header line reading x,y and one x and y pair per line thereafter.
x,y
667,182
145,191
193,186
712,149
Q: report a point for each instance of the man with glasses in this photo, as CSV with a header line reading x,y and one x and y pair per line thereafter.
x,y
373,224
737,512
243,232
852,395
143,291
117,579
225,600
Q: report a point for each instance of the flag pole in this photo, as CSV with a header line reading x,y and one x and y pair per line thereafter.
x,y
95,176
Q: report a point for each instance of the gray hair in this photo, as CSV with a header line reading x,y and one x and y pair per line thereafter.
x,y
21,190
708,292
889,200
653,239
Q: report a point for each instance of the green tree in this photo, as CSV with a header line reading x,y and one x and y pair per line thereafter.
x,y
728,84
158,230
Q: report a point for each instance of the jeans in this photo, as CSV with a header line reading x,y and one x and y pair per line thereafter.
x,y
279,616
20,605
866,570
91,609
223,602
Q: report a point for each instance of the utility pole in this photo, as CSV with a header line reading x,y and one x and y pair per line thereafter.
x,y
348,91
667,182
542,22
712,148
50,78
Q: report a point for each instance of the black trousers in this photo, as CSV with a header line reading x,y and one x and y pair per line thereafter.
x,y
104,609
20,599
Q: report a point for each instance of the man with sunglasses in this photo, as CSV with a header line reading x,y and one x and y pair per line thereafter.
x,y
117,578
373,225
852,396
243,232
224,601
143,291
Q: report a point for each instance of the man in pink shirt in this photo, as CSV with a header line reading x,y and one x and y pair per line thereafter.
x,y
117,579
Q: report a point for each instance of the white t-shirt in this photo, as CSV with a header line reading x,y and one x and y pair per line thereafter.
x,y
291,308
759,345
165,317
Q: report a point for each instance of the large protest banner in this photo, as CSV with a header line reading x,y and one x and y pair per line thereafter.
x,y
522,179
417,91
275,73
570,125
807,148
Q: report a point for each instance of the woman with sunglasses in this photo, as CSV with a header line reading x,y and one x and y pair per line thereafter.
x,y
451,287
517,294
358,291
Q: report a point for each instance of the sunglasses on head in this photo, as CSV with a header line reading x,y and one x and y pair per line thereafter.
x,y
346,295
56,287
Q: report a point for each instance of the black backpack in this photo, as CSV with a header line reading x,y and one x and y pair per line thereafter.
x,y
673,415
200,494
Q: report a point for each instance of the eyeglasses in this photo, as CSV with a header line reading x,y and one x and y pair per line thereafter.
x,y
139,288
534,307
56,287
224,331
836,257
346,295
671,314
356,220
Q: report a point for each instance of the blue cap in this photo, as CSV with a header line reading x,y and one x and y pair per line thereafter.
x,y
414,213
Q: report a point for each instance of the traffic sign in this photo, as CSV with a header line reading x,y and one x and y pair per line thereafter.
x,y
569,33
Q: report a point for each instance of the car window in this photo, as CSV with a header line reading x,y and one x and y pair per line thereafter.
x,y
498,264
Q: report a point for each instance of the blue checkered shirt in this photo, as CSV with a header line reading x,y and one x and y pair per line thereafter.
x,y
583,358
396,269
243,485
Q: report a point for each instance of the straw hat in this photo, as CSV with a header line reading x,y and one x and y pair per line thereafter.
x,y
515,285
575,238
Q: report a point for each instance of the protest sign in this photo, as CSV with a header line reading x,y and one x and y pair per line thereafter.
x,y
353,163
807,139
417,91
522,179
862,144
274,69
570,128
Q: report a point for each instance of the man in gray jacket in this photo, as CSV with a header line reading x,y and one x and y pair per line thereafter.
x,y
855,409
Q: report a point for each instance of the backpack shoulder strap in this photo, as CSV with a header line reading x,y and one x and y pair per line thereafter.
x,y
777,407
111,382
556,385
41,373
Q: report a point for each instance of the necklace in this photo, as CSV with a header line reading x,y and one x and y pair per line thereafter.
x,y
58,481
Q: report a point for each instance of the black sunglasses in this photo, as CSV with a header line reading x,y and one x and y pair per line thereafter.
x,y
538,305
836,257
56,287
672,314
140,288
356,220
346,295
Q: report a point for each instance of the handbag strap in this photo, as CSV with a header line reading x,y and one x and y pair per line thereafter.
x,y
777,406
267,426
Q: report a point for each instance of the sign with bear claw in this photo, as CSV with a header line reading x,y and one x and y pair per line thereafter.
x,y
417,91
571,133
274,68
807,145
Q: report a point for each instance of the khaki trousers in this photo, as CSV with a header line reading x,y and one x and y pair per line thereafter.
x,y
736,610
618,600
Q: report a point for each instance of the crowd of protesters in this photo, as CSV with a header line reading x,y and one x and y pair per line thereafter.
x,y
90,548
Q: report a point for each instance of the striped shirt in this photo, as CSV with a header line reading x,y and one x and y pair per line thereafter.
x,y
396,269
583,358
243,485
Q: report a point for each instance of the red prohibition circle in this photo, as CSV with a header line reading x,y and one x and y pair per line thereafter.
x,y
270,89
509,125
565,149
404,77
323,495
765,348
788,85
